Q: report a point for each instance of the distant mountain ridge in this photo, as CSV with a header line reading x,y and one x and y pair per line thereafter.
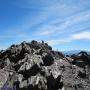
x,y
74,52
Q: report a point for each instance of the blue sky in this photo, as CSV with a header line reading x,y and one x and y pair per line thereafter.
x,y
64,24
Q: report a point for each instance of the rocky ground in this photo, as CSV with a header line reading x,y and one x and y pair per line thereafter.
x,y
35,66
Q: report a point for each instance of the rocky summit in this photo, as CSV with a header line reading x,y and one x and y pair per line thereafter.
x,y
36,66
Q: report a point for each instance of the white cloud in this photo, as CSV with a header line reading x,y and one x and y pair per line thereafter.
x,y
74,19
61,25
79,36
82,35
58,41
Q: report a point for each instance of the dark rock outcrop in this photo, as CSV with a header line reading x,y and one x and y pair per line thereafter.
x,y
81,59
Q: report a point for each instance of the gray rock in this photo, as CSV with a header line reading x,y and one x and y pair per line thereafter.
x,y
35,66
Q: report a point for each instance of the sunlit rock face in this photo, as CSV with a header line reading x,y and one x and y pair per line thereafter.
x,y
36,66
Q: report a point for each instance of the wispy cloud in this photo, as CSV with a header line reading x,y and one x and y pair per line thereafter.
x,y
83,35
61,26
56,42
79,36
75,19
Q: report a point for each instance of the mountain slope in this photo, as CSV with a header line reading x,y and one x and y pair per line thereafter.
x,y
35,66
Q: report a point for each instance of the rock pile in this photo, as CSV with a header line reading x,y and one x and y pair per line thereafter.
x,y
35,66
